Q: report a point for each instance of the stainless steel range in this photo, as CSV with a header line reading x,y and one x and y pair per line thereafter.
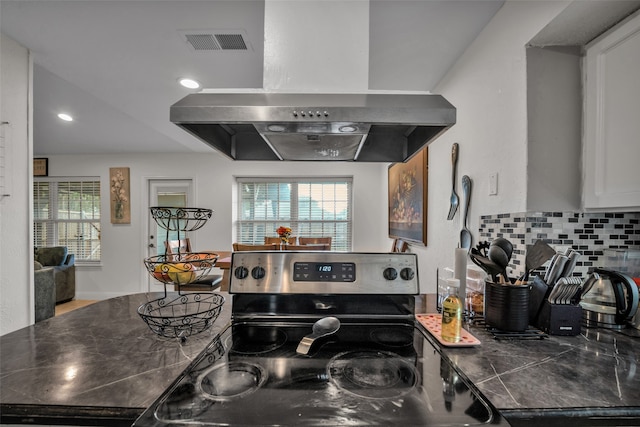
x,y
320,339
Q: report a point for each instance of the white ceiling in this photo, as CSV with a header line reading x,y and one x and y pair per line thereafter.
x,y
114,64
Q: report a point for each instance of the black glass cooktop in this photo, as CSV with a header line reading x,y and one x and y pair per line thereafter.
x,y
365,374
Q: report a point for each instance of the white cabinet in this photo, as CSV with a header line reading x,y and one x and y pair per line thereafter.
x,y
611,150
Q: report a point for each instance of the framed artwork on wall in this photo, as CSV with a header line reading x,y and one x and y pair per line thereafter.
x,y
119,189
40,167
408,199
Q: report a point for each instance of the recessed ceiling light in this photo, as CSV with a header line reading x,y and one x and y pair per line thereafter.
x,y
189,83
65,117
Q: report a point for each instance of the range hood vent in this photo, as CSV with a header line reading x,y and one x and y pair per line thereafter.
x,y
315,127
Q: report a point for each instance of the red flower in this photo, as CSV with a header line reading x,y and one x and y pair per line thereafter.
x,y
283,231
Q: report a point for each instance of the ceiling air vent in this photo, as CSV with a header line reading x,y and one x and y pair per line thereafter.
x,y
231,41
206,40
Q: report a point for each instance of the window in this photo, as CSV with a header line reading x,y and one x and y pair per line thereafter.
x,y
311,207
67,213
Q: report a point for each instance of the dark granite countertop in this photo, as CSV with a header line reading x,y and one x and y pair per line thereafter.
x,y
102,365
98,365
595,374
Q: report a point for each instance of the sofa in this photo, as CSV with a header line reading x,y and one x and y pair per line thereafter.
x,y
45,292
64,270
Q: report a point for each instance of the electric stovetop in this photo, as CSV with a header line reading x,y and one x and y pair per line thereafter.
x,y
377,368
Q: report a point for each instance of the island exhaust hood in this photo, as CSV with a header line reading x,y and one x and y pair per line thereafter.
x,y
315,127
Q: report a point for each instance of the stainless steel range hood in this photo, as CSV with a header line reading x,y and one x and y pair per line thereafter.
x,y
316,127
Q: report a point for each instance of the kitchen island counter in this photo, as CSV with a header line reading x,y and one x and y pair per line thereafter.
x,y
97,365
101,365
589,379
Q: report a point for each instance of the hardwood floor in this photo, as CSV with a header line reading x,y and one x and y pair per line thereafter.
x,y
72,305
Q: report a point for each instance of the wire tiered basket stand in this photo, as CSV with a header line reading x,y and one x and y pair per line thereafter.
x,y
183,314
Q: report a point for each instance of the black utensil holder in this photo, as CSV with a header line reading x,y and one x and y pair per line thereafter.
x,y
506,307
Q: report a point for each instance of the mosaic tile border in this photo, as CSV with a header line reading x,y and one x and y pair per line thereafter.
x,y
589,233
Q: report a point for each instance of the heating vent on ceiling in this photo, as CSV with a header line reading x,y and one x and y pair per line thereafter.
x,y
210,41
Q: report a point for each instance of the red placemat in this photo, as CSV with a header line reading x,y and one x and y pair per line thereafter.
x,y
433,324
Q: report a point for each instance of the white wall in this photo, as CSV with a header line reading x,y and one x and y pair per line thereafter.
x,y
16,258
124,246
488,87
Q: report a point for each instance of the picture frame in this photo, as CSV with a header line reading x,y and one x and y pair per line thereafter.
x,y
119,195
407,202
40,166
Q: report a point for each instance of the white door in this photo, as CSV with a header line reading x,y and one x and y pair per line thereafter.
x,y
165,193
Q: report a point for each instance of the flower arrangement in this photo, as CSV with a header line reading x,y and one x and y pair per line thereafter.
x,y
284,233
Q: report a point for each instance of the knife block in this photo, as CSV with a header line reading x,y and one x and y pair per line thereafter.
x,y
560,319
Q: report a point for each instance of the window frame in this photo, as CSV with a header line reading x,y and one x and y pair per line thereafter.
x,y
53,223
341,242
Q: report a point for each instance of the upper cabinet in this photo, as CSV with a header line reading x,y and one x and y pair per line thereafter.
x,y
611,162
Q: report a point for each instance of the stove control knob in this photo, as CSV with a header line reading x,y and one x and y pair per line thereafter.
x,y
241,272
390,273
257,272
407,273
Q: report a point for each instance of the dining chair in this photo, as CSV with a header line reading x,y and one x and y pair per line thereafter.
x,y
174,247
315,247
277,240
399,245
314,240
243,247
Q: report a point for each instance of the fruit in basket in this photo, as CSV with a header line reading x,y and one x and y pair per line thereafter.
x,y
181,273
159,273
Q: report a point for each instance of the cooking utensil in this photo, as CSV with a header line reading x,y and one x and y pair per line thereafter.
x,y
564,290
557,291
465,234
571,263
482,248
322,328
506,245
501,259
550,266
454,200
537,255
555,270
490,267
569,288
575,290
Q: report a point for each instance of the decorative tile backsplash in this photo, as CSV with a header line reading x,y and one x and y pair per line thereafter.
x,y
588,233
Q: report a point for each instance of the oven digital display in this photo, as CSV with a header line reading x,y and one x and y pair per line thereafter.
x,y
324,272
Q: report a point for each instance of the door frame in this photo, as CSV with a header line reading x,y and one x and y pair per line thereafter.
x,y
152,185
